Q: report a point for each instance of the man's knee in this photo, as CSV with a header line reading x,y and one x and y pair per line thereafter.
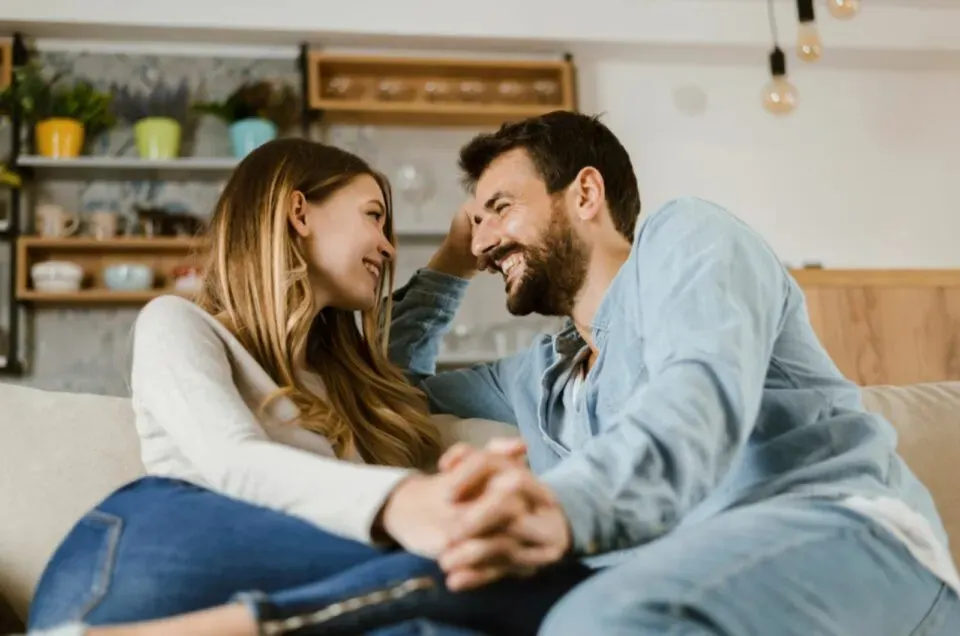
x,y
599,607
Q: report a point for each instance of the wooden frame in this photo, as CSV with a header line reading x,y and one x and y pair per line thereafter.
x,y
6,62
436,91
162,254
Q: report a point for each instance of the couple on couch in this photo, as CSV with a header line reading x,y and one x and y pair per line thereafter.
x,y
690,462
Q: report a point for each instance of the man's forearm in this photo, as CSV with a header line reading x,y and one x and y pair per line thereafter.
x,y
423,311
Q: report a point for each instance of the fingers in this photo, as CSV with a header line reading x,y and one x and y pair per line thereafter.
x,y
470,476
510,447
500,506
514,449
454,455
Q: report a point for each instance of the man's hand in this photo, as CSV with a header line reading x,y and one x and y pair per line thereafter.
x,y
423,511
454,256
493,538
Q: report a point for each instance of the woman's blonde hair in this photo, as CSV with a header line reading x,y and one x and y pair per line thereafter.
x,y
256,280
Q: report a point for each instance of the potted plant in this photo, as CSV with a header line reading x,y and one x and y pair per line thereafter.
x,y
255,111
157,117
63,114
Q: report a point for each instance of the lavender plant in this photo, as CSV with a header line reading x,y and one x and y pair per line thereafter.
x,y
163,100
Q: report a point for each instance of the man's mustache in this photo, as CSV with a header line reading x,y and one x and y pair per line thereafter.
x,y
488,261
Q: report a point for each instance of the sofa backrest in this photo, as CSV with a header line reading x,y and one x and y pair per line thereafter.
x,y
61,453
927,419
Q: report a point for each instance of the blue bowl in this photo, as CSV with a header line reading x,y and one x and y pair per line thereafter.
x,y
128,277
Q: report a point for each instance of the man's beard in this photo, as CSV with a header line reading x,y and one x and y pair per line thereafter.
x,y
553,272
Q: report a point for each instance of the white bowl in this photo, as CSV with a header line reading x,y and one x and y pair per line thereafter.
x,y
56,286
62,271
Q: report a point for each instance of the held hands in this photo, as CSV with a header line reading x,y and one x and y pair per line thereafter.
x,y
484,516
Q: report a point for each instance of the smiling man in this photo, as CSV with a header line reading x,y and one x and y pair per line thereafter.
x,y
687,434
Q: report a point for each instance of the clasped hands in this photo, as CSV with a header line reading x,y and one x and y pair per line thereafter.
x,y
483,516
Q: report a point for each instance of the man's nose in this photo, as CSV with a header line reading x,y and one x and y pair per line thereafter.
x,y
486,234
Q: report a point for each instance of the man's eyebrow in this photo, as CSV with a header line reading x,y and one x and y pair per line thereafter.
x,y
492,200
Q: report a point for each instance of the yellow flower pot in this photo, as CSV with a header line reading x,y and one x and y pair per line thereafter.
x,y
59,138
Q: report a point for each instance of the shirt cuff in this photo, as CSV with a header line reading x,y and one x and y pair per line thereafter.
x,y
589,514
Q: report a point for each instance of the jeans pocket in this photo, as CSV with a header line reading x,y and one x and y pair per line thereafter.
x,y
79,574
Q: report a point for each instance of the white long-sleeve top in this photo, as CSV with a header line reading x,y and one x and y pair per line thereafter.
x,y
195,394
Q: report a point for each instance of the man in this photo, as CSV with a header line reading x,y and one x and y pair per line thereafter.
x,y
689,435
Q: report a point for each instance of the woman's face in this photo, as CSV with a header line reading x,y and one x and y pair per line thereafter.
x,y
344,243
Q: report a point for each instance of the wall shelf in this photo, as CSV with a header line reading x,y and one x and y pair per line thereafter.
x,y
121,168
436,91
162,254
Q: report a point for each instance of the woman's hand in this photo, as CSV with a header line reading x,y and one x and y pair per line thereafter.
x,y
424,511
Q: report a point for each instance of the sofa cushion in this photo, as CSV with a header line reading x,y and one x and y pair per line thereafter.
x,y
927,419
60,454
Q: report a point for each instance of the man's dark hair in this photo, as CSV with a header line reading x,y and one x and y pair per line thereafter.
x,y
561,144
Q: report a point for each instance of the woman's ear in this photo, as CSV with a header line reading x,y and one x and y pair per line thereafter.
x,y
298,214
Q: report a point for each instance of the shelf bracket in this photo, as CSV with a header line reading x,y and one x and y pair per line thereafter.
x,y
12,363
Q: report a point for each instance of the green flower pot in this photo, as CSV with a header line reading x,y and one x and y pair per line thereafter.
x,y
157,138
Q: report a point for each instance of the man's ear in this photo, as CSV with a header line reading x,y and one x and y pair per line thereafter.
x,y
588,193
298,214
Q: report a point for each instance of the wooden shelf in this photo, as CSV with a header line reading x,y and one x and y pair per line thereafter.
x,y
92,297
429,91
6,62
122,168
162,254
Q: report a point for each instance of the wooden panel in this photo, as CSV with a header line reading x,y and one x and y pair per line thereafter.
x,y
436,91
6,62
883,327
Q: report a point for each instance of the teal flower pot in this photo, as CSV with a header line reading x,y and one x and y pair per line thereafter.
x,y
247,134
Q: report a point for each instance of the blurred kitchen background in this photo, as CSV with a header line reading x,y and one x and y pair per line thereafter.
x,y
842,153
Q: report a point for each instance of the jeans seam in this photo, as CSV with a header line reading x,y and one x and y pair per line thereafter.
x,y
336,609
702,590
926,628
100,587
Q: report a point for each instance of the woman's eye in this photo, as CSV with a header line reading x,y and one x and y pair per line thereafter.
x,y
501,207
376,214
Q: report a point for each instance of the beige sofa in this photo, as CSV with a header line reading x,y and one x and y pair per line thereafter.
x,y
60,453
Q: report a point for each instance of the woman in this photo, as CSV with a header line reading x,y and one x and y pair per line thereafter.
x,y
285,455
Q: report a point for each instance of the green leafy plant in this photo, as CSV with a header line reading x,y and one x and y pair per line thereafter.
x,y
40,97
264,99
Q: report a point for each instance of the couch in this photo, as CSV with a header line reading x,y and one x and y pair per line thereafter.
x,y
60,453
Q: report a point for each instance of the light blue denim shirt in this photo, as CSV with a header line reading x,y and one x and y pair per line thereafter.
x,y
710,389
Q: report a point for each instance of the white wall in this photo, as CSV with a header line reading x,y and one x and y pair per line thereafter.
x,y
864,174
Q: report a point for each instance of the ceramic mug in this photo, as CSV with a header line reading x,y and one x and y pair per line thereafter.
x,y
103,224
54,221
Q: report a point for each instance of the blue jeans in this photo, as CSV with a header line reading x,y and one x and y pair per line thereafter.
x,y
782,567
160,547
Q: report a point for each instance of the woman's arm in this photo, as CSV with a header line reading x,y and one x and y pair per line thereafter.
x,y
183,378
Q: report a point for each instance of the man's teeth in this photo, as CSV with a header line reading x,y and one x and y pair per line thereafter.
x,y
509,263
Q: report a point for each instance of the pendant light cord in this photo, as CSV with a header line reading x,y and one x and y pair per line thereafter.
x,y
772,16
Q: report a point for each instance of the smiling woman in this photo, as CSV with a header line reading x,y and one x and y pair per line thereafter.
x,y
285,454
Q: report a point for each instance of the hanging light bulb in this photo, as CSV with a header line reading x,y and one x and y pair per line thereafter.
x,y
809,44
779,95
843,9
